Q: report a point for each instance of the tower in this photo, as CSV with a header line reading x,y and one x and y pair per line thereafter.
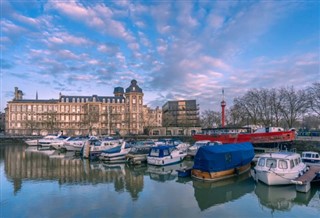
x,y
134,108
223,105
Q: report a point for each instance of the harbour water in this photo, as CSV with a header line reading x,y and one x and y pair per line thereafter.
x,y
54,184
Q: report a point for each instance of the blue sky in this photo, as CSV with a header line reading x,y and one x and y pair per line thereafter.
x,y
174,49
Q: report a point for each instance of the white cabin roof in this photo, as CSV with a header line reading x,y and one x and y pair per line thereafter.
x,y
281,155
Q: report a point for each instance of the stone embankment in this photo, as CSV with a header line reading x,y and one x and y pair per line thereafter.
x,y
302,143
306,143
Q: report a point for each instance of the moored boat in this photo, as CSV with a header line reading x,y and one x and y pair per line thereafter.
x,y
93,148
262,137
138,154
213,163
310,158
164,155
116,154
192,150
279,168
76,143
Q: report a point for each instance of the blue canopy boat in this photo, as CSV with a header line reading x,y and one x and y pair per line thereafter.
x,y
218,162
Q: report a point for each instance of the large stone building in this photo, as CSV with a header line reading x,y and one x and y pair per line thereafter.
x,y
122,114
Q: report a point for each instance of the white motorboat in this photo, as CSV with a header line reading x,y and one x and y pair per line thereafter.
x,y
93,148
48,142
116,154
165,155
138,154
311,158
279,168
192,150
59,143
76,143
47,138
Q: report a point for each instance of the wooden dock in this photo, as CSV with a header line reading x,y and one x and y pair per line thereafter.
x,y
303,182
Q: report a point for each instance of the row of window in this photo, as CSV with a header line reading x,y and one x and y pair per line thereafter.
x,y
86,100
104,100
63,108
280,163
23,117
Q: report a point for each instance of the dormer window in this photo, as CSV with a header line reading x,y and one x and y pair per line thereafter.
x,y
134,88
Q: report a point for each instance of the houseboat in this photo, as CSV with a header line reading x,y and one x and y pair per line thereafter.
x,y
213,163
262,137
279,168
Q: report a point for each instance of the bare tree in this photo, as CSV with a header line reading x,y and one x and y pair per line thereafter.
x,y
91,117
293,105
210,119
314,97
31,125
50,120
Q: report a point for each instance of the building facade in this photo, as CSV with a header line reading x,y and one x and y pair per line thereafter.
x,y
183,113
78,115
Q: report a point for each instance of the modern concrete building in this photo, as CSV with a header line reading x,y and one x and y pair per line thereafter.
x,y
78,115
183,113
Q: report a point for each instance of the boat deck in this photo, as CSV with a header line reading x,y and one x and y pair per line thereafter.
x,y
309,175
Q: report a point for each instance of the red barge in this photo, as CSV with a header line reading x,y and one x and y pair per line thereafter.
x,y
263,137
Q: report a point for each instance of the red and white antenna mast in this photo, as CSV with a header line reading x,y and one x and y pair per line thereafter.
x,y
223,105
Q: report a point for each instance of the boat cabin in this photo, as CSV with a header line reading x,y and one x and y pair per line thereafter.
x,y
311,158
161,151
279,160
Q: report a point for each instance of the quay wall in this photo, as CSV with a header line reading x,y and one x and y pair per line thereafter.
x,y
302,143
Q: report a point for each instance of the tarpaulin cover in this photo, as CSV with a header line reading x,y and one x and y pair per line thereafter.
x,y
223,157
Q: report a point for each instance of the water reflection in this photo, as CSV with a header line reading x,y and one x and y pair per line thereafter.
x,y
24,164
281,198
27,163
166,173
209,194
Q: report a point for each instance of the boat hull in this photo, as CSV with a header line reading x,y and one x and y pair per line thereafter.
x,y
136,158
272,178
216,176
163,161
257,139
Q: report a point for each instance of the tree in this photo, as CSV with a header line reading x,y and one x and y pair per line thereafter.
x,y
210,119
91,117
314,97
50,120
293,105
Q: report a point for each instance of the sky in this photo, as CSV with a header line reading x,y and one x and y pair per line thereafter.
x,y
176,50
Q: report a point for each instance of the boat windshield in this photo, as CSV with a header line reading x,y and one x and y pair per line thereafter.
x,y
154,152
271,163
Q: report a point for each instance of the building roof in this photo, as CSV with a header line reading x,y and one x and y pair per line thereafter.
x,y
133,87
35,101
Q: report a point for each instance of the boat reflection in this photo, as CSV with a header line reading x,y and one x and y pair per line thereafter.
x,y
23,163
168,172
209,194
281,198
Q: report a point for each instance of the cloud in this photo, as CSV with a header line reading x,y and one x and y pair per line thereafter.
x,y
66,38
99,16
